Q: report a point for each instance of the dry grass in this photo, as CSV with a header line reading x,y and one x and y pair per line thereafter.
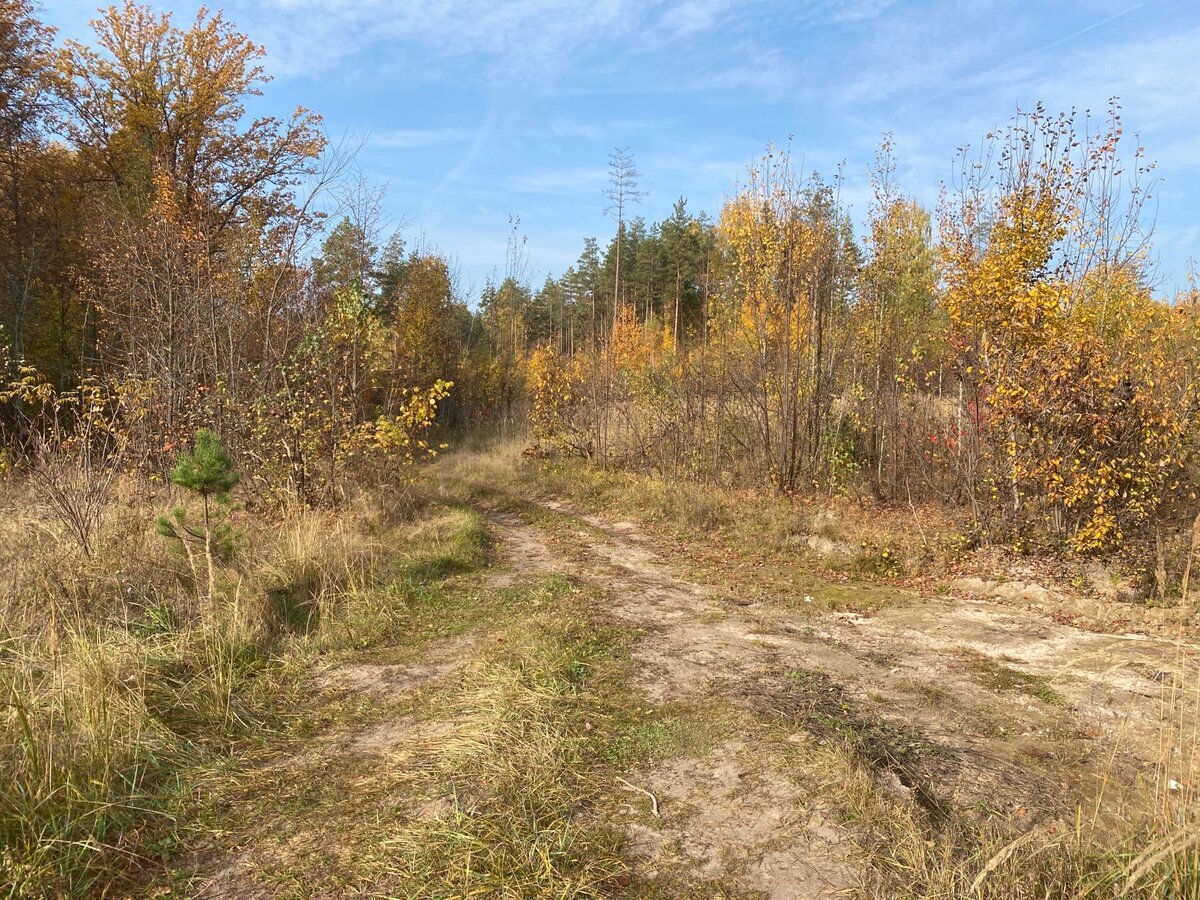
x,y
918,843
121,688
842,537
517,771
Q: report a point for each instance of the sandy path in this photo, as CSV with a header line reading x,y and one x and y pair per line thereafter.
x,y
1027,714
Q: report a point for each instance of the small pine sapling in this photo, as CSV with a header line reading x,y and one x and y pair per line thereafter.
x,y
208,471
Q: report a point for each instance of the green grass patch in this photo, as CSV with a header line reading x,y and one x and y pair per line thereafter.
x,y
516,779
485,784
458,547
1000,678
642,736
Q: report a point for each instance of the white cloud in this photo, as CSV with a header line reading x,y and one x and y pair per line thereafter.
x,y
524,37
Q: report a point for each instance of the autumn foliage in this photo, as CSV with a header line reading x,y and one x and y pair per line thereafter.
x,y
1019,365
1082,408
168,252
168,280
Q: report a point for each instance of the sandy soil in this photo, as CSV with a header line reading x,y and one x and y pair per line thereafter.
x,y
1025,713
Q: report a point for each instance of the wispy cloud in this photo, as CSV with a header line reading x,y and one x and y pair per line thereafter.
x,y
479,144
565,181
409,138
608,131
533,42
522,37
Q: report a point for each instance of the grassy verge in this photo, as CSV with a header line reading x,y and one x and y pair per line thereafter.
x,y
145,743
968,857
125,702
515,770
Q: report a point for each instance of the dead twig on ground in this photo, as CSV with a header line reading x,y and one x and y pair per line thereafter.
x,y
653,799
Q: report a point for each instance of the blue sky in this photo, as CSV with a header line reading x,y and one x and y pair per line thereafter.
x,y
473,110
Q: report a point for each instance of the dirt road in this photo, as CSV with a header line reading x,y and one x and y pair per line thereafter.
x,y
940,706
955,703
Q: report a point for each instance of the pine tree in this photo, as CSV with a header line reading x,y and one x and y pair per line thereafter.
x,y
208,471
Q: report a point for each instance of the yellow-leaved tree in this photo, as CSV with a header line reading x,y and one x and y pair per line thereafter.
x,y
786,253
1072,390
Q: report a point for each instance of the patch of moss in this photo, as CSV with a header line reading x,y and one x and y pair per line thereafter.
x,y
1001,679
